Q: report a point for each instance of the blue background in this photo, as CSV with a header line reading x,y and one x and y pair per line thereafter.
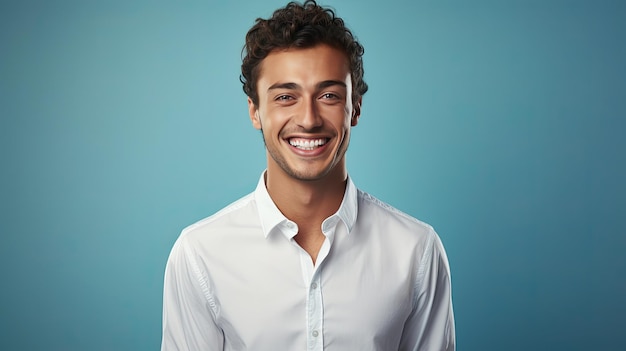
x,y
501,123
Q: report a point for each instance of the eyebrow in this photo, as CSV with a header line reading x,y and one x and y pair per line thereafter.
x,y
293,86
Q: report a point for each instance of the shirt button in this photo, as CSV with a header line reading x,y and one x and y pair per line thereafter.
x,y
314,286
315,333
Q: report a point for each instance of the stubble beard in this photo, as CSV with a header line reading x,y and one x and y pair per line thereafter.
x,y
301,176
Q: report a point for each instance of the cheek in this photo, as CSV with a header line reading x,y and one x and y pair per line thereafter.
x,y
348,122
276,119
270,125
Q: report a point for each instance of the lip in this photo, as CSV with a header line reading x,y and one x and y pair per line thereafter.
x,y
308,153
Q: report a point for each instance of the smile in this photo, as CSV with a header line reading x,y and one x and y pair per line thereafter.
x,y
307,144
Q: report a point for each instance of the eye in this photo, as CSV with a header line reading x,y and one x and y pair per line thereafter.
x,y
329,96
283,98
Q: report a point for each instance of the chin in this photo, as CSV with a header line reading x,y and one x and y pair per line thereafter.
x,y
308,174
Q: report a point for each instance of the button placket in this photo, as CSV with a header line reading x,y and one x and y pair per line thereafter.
x,y
316,315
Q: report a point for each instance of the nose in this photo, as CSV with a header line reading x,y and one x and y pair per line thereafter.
x,y
309,116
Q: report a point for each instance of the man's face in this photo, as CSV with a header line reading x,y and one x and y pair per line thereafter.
x,y
305,111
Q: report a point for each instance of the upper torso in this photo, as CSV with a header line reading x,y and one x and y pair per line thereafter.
x,y
265,293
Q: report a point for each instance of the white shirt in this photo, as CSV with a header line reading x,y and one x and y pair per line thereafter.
x,y
239,281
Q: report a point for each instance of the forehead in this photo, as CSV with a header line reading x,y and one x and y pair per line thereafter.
x,y
302,65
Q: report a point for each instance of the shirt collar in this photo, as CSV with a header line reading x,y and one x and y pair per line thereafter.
x,y
271,217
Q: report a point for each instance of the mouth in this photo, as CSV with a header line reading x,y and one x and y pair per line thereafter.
x,y
307,144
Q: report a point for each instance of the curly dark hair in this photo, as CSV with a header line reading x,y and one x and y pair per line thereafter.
x,y
300,26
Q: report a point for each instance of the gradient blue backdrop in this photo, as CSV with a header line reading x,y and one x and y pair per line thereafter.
x,y
501,123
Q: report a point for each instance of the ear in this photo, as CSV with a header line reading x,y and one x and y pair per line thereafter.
x,y
253,111
356,112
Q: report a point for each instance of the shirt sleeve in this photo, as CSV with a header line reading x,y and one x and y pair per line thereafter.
x,y
188,320
430,326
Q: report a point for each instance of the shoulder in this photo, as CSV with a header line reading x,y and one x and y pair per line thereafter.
x,y
377,212
394,232
214,237
237,214
402,237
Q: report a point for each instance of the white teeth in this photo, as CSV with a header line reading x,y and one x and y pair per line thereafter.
x,y
306,144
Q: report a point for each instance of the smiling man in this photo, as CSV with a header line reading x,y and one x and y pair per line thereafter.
x,y
307,261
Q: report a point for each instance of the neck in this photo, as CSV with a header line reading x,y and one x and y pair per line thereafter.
x,y
307,203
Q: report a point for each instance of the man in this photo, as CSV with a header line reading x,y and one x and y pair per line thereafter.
x,y
307,261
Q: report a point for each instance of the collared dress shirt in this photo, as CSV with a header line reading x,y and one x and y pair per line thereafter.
x,y
239,281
